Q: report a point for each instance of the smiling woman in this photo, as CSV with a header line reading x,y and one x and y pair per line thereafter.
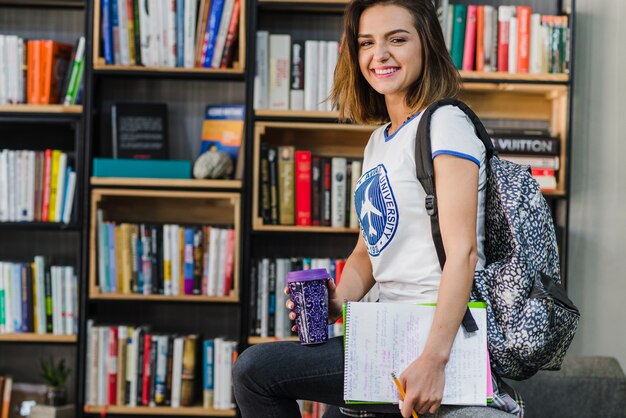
x,y
392,65
383,36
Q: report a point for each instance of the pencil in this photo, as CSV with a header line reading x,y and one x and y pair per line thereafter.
x,y
399,386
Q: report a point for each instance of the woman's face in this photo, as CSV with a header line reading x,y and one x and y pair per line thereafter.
x,y
390,50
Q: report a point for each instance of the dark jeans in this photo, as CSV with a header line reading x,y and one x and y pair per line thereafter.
x,y
269,378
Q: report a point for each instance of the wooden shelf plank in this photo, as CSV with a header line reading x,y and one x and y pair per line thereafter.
x,y
163,410
46,109
260,340
165,70
543,77
268,113
293,228
38,338
163,298
173,183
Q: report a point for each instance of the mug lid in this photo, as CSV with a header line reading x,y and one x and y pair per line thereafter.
x,y
306,275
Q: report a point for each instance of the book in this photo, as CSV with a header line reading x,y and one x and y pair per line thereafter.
x,y
505,14
470,38
530,145
296,99
338,192
139,131
458,34
279,63
523,38
286,185
126,167
222,130
187,388
397,339
303,188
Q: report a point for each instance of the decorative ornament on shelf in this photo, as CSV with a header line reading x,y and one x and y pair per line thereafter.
x,y
55,375
213,164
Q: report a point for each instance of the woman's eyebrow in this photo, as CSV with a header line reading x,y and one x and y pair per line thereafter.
x,y
393,32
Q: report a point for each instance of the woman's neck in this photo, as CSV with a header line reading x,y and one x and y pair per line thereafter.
x,y
398,113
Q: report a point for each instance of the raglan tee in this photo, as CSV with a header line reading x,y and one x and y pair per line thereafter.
x,y
389,202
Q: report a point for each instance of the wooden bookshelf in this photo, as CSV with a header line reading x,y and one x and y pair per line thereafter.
x,y
38,338
165,183
239,63
261,340
163,298
195,411
269,113
322,139
161,207
43,109
505,76
103,68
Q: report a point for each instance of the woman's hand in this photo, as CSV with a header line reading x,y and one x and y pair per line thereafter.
x,y
335,304
423,382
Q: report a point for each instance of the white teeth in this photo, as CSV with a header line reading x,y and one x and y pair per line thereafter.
x,y
385,71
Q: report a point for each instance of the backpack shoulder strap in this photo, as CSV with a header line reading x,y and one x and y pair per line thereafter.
x,y
426,176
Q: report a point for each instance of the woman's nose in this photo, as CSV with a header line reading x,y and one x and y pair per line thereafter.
x,y
381,53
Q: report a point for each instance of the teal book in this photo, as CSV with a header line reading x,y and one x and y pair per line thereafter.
x,y
458,34
123,167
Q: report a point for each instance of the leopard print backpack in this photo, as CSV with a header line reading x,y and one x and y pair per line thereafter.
x,y
530,320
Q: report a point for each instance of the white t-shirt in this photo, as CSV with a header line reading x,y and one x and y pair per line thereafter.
x,y
390,204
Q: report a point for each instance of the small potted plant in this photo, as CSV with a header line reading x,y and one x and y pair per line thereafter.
x,y
55,374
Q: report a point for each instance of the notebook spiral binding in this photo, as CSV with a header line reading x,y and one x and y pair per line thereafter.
x,y
346,330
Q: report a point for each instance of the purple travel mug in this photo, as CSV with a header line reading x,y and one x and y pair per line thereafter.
x,y
309,294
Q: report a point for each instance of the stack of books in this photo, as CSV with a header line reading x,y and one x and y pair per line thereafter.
x,y
170,33
505,38
169,259
40,71
298,188
37,298
136,366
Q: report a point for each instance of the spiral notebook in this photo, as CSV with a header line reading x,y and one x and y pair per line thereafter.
x,y
381,338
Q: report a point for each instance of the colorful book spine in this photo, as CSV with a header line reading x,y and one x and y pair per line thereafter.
x,y
458,34
211,32
303,187
469,49
523,38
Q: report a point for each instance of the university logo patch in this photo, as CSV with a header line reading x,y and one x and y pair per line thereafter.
x,y
376,208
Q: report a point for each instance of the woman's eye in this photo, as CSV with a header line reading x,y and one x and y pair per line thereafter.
x,y
365,43
398,40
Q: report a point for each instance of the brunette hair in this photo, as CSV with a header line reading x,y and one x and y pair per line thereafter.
x,y
439,79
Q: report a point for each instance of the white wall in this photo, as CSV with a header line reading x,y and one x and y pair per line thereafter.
x,y
597,252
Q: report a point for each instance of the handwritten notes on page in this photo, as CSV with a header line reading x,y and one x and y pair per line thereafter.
x,y
385,337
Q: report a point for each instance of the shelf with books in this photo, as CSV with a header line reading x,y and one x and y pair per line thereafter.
x,y
43,109
166,411
171,39
277,196
165,183
38,338
198,257
529,121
